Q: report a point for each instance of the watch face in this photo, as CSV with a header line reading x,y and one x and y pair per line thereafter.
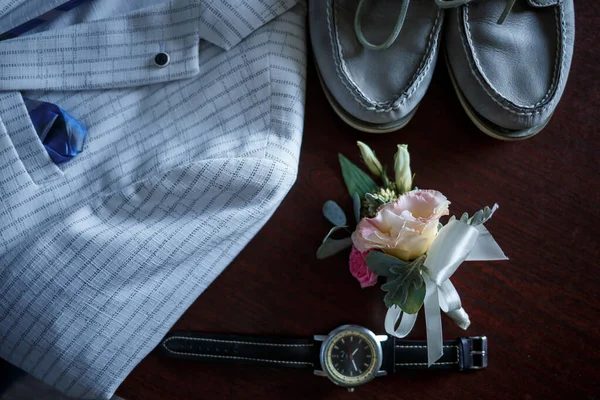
x,y
352,356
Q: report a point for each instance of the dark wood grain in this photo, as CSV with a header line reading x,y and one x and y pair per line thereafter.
x,y
540,310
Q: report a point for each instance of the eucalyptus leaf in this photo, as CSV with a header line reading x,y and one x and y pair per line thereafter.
x,y
465,218
381,263
332,246
357,181
356,203
440,226
406,288
334,213
332,231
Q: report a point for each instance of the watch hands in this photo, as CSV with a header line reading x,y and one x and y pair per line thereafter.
x,y
354,352
354,364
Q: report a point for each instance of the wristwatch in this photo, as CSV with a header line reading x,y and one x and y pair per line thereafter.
x,y
349,356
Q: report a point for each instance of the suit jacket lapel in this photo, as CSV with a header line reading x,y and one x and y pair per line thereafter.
x,y
17,12
119,51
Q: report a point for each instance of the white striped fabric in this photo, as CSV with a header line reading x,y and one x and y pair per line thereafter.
x,y
182,166
29,388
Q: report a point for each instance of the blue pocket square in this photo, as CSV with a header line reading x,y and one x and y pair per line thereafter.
x,y
62,135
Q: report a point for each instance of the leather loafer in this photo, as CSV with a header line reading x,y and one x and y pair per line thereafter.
x,y
509,61
375,58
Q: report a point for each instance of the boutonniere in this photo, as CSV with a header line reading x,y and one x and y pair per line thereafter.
x,y
398,235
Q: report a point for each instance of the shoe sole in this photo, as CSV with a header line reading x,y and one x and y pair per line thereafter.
x,y
486,126
358,124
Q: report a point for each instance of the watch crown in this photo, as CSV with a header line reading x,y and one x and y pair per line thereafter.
x,y
351,389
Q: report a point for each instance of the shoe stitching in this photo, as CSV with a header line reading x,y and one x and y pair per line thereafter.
x,y
557,68
413,84
506,104
415,80
563,29
484,81
496,96
539,3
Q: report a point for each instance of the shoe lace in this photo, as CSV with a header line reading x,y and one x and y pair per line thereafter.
x,y
391,39
402,16
456,3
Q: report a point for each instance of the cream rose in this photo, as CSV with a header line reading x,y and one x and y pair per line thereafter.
x,y
405,228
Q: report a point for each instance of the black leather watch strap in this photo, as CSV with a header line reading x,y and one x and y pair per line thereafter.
x,y
294,353
461,354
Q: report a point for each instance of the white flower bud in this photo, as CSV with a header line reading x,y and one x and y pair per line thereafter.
x,y
370,159
403,175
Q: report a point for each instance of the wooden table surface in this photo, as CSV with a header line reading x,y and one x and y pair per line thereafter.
x,y
540,310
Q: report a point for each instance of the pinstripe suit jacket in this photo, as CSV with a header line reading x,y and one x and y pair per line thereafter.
x,y
181,168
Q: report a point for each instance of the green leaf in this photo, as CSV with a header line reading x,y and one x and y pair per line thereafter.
x,y
415,299
465,218
332,246
356,201
357,181
406,289
440,226
385,179
374,199
334,213
381,263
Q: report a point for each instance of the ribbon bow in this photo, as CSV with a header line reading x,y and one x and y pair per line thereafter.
x,y
455,243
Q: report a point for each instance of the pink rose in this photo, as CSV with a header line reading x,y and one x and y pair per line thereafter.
x,y
405,228
359,269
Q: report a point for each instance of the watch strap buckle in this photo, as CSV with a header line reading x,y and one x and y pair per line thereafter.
x,y
474,352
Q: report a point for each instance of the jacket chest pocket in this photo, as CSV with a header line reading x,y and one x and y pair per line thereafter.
x,y
23,157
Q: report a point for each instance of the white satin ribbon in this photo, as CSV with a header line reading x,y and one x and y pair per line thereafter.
x,y
455,243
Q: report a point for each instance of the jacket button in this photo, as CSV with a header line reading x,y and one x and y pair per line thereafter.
x,y
162,60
